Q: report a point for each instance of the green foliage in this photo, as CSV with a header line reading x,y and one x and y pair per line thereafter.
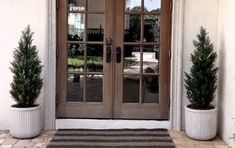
x,y
76,62
129,62
201,83
94,64
26,69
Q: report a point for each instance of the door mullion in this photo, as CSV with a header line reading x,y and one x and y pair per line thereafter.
x,y
85,55
141,52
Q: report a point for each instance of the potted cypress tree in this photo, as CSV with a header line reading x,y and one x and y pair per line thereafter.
x,y
201,83
26,67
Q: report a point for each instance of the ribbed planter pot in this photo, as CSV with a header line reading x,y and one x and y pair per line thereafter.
x,y
201,124
25,122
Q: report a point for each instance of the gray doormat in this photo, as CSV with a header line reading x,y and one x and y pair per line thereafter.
x,y
123,138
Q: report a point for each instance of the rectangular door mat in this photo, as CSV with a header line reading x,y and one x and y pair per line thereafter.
x,y
113,138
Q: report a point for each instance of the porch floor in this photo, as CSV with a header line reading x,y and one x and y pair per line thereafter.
x,y
179,138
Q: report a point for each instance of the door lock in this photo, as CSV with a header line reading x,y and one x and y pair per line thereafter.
x,y
108,50
108,41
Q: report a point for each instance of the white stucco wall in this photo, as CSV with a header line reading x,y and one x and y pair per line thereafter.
x,y
197,13
15,15
226,50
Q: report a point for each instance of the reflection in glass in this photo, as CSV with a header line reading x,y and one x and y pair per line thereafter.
x,y
132,28
95,5
150,89
76,26
94,88
76,5
151,28
75,57
131,59
95,27
131,89
75,88
95,58
133,5
151,59
152,5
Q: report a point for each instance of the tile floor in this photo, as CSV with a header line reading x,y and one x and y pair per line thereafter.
x,y
179,138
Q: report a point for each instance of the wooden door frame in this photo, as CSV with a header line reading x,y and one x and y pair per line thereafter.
x,y
161,110
67,109
176,66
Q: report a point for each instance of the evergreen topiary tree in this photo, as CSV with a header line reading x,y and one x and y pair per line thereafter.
x,y
26,69
201,83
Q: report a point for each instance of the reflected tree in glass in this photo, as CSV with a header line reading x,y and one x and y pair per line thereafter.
x,y
152,28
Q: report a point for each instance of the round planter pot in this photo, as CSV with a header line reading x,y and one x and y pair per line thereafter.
x,y
25,122
201,124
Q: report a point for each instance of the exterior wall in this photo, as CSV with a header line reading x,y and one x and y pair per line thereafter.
x,y
197,13
15,16
226,51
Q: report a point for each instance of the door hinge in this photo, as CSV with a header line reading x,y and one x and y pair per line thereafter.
x,y
169,102
171,6
57,52
56,99
169,52
57,4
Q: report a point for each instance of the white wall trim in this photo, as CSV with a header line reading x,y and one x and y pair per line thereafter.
x,y
177,64
50,73
110,124
176,67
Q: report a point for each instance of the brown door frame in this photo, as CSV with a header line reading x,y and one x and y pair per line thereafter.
x,y
66,109
146,110
113,104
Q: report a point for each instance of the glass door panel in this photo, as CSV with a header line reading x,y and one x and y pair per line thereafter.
x,y
113,59
141,75
83,73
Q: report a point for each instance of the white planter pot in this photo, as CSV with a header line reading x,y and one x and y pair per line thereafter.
x,y
25,122
201,124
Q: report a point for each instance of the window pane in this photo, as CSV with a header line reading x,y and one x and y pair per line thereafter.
x,y
132,28
75,88
95,5
133,5
131,59
151,28
94,88
151,59
150,89
131,87
95,58
76,26
75,58
152,5
95,27
76,5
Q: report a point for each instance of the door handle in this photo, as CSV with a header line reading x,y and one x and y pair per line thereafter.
x,y
108,54
118,54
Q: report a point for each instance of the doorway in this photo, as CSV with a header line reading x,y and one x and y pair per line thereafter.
x,y
113,59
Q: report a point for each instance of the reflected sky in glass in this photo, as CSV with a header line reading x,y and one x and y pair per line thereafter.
x,y
150,4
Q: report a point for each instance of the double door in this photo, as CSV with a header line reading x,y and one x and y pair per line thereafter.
x,y
113,59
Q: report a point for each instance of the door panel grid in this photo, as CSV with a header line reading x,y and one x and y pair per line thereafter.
x,y
113,59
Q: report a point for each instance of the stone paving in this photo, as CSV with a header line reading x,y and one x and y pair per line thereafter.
x,y
182,141
179,138
7,141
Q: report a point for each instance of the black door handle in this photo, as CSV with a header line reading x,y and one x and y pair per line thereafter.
x,y
108,54
118,54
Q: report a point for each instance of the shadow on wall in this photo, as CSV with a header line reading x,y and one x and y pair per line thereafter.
x,y
221,74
